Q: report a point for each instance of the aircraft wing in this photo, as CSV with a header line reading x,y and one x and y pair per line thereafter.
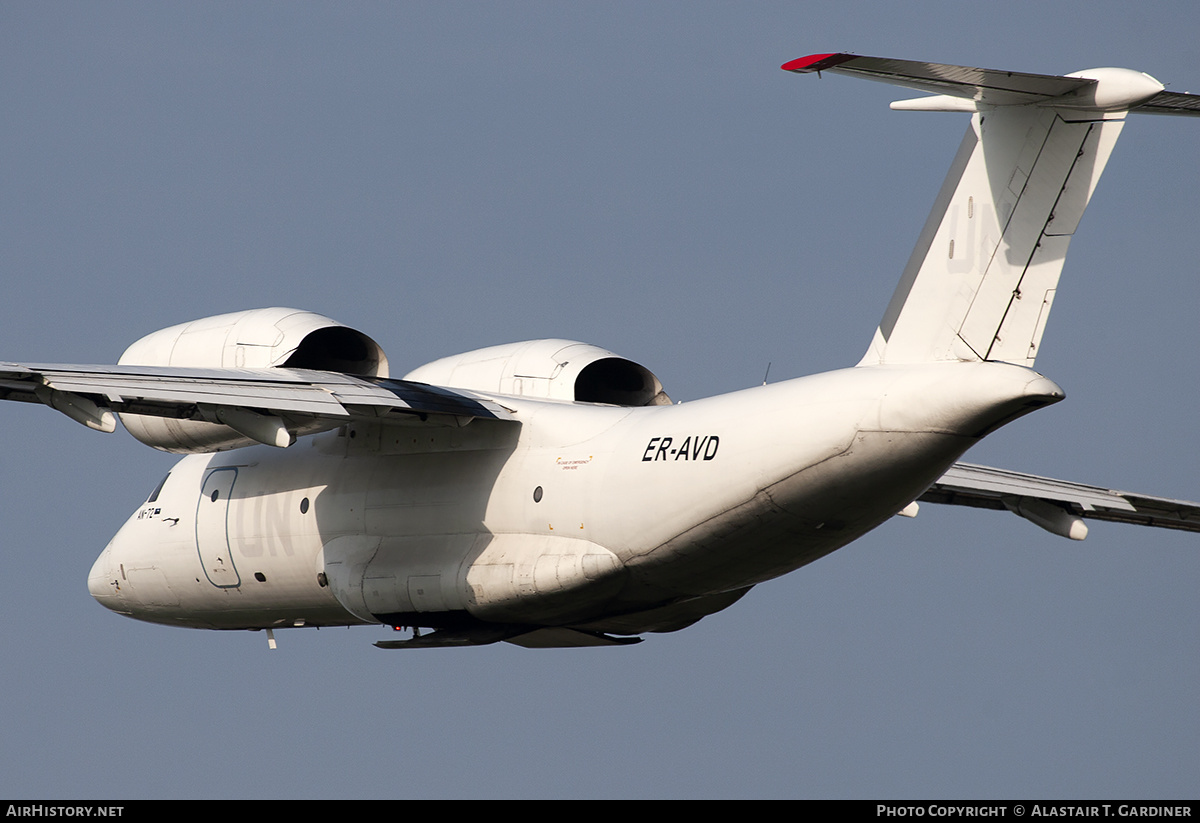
x,y
268,405
1059,506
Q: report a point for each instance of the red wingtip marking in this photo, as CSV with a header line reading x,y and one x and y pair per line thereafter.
x,y
816,62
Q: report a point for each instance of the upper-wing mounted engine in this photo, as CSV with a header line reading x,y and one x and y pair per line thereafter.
x,y
271,375
554,369
260,339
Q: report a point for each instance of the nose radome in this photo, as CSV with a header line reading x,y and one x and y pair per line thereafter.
x,y
104,582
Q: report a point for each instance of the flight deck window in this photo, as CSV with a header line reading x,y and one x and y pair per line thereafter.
x,y
157,489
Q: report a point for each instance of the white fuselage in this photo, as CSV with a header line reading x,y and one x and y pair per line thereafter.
x,y
580,514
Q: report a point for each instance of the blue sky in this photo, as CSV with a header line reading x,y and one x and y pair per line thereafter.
x,y
643,177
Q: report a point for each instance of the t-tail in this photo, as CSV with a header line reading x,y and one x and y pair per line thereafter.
x,y
982,278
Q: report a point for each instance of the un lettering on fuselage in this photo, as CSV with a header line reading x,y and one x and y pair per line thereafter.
x,y
693,447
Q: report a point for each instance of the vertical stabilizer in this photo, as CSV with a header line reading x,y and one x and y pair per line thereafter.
x,y
982,278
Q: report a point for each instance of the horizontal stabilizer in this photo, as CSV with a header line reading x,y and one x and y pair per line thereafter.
x,y
1105,89
1171,102
1001,88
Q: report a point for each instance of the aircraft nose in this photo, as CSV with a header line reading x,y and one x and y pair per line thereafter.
x,y
104,582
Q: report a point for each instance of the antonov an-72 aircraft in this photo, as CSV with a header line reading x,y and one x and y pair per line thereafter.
x,y
549,493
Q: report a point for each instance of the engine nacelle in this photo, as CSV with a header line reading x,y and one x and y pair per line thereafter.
x,y
556,369
256,339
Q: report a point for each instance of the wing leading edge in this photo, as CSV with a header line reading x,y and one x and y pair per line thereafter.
x,y
270,405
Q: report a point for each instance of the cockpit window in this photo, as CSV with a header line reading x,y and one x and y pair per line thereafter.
x,y
158,488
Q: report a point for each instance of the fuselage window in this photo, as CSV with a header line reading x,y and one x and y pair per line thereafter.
x,y
158,488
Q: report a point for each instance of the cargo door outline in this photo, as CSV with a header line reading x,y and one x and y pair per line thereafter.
x,y
212,529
